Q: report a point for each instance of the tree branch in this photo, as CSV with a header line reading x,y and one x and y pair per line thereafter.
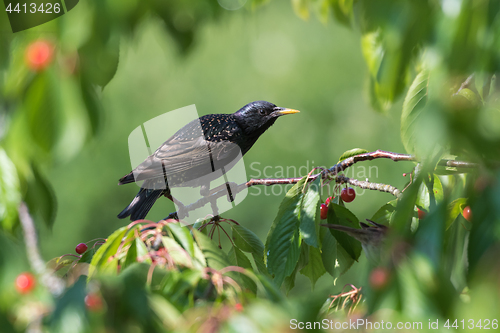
x,y
468,83
330,173
369,185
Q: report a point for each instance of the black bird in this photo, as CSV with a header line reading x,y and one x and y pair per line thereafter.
x,y
192,154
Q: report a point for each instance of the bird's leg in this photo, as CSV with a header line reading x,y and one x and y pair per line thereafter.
x,y
231,191
205,192
215,209
172,216
181,212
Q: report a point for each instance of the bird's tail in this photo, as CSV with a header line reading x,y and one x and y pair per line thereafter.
x,y
142,203
129,178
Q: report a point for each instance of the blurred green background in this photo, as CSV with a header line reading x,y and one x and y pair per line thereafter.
x,y
270,54
112,65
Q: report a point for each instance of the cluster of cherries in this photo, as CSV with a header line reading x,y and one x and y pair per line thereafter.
x,y
26,282
93,301
347,195
380,276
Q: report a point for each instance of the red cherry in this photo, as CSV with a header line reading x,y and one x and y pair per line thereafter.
x,y
39,55
238,307
81,248
379,278
25,282
327,201
421,213
323,211
467,213
93,302
348,194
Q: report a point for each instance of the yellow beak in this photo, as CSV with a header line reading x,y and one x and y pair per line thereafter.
x,y
286,111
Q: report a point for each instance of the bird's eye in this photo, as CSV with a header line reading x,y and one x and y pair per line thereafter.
x,y
262,111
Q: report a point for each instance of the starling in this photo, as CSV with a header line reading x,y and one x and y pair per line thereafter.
x,y
192,155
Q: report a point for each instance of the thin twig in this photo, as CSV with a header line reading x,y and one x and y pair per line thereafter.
x,y
468,83
54,284
369,185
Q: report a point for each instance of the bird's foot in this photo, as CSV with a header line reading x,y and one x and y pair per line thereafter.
x,y
205,190
173,216
215,209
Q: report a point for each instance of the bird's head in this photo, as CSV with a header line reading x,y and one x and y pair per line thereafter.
x,y
258,116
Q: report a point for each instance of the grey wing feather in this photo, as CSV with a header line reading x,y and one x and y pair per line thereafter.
x,y
172,159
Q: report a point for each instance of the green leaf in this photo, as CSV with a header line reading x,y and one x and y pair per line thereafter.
x,y
10,196
430,193
413,107
340,215
384,214
61,262
108,249
215,257
323,10
238,258
40,198
309,207
378,102
273,292
373,51
178,287
69,305
430,237
352,152
342,10
183,236
289,281
405,206
301,8
194,250
99,59
247,241
283,240
137,250
92,105
168,313
177,253
17,74
335,259
454,209
314,268
87,256
42,112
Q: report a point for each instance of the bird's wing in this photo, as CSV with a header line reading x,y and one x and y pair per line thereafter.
x,y
176,156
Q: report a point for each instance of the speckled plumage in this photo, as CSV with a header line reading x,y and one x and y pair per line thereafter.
x,y
189,155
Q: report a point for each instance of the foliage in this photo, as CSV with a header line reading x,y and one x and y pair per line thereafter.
x,y
444,57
